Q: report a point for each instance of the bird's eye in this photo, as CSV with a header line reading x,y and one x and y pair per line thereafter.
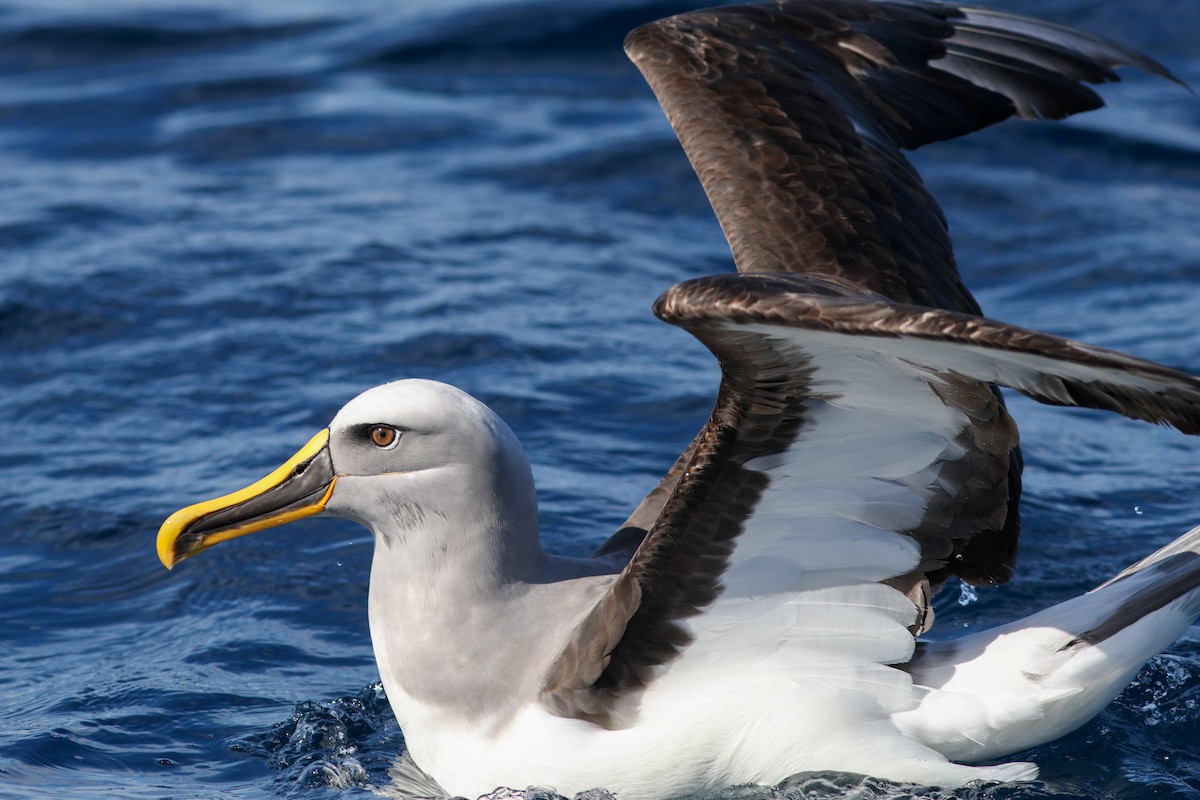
x,y
384,436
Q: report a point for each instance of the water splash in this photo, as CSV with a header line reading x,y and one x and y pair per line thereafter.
x,y
340,744
966,594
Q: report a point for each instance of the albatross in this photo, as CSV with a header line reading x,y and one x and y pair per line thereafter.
x,y
761,612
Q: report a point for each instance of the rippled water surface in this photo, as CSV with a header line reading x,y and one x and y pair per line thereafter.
x,y
219,221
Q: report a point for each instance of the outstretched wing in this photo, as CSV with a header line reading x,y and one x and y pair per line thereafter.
x,y
794,116
840,464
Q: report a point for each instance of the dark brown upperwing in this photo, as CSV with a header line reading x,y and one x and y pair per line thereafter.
x,y
793,115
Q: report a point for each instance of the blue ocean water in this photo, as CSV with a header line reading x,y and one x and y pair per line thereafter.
x,y
220,221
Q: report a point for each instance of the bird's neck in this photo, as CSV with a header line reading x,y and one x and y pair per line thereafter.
x,y
462,653
465,630
446,578
466,610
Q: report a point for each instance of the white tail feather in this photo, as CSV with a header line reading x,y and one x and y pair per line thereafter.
x,y
1022,684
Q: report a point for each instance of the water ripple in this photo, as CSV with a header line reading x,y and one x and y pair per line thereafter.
x,y
222,221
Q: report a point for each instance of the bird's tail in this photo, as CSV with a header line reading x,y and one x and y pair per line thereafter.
x,y
1020,685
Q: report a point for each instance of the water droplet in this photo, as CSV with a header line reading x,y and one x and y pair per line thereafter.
x,y
339,563
1137,510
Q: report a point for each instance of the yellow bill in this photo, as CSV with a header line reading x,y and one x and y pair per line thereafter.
x,y
297,489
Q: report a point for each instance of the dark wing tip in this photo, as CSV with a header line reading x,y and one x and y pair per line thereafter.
x,y
1099,49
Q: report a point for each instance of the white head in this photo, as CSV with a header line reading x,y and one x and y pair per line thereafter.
x,y
428,468
414,451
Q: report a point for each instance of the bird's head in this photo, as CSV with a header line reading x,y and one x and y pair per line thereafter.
x,y
391,457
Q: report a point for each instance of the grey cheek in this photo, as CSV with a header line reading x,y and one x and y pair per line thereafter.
x,y
405,514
